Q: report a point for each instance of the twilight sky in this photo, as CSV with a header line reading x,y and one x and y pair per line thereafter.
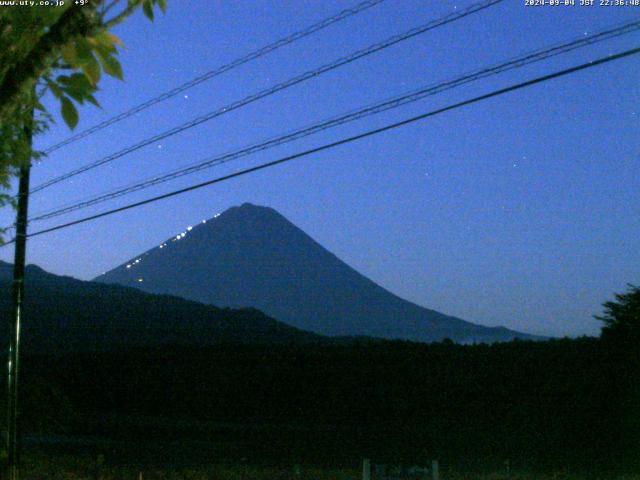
x,y
520,211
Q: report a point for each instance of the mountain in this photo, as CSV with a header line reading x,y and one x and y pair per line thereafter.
x,y
65,314
253,256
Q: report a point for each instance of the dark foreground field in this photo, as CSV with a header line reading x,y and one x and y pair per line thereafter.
x,y
41,467
545,407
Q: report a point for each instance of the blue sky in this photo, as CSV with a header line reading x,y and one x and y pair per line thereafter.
x,y
520,211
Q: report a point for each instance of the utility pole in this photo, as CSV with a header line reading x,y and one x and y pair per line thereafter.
x,y
16,317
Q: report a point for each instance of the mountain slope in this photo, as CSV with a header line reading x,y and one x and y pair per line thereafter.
x,y
253,256
62,313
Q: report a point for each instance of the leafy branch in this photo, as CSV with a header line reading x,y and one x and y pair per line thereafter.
x,y
64,51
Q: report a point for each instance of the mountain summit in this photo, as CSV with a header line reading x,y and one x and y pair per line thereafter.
x,y
253,256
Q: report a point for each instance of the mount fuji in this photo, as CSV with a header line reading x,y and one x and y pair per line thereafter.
x,y
252,256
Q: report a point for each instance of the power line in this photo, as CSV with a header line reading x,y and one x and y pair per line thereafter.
x,y
219,71
276,88
343,141
395,102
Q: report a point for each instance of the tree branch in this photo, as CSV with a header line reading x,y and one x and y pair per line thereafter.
x,y
75,21
122,16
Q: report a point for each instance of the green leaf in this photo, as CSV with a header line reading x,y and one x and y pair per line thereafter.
x,y
91,99
147,8
108,40
79,82
83,50
69,112
102,44
63,79
77,86
114,39
69,53
111,66
163,5
76,95
91,69
55,89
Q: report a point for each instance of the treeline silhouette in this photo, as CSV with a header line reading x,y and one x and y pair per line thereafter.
x,y
559,404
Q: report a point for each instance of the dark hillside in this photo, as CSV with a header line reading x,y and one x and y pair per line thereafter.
x,y
62,313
